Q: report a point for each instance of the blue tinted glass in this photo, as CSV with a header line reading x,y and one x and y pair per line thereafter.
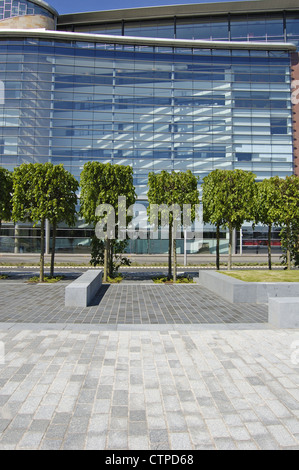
x,y
153,109
292,27
22,7
257,28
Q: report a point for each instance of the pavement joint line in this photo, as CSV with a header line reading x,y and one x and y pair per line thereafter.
x,y
136,326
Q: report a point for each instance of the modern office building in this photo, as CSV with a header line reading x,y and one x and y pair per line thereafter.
x,y
197,87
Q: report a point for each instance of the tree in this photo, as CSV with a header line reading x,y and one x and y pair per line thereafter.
x,y
40,192
290,244
289,213
213,207
5,195
235,190
170,192
103,184
116,259
62,208
267,206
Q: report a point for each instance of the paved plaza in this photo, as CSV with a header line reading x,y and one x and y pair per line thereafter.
x,y
130,303
145,367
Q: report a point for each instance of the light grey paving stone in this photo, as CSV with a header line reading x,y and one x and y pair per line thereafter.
x,y
224,443
217,428
56,432
39,425
138,428
50,444
282,435
247,445
239,433
4,423
199,399
117,440
74,442
256,428
138,443
95,441
180,441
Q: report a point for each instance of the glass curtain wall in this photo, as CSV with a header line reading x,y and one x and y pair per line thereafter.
x,y
11,8
151,108
248,27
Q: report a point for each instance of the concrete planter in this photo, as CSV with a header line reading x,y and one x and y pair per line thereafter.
x,y
284,312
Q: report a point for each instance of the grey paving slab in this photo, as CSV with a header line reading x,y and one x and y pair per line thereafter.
x,y
131,304
145,367
170,389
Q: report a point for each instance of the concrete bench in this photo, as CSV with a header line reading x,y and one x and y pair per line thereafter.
x,y
283,312
80,292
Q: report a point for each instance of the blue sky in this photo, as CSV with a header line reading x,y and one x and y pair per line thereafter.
x,y
76,6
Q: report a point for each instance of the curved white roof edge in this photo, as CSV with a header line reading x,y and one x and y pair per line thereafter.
x,y
105,38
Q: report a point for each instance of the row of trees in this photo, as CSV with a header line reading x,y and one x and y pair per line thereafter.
x,y
40,192
230,198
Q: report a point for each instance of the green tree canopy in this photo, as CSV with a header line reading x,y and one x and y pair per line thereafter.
x,y
289,214
232,200
213,207
104,184
173,189
267,206
62,191
43,191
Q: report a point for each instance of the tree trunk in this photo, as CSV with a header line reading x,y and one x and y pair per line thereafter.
x,y
230,244
170,251
288,258
269,246
174,258
110,257
106,259
218,247
288,247
53,249
42,251
16,239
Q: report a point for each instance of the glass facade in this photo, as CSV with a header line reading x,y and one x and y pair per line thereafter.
x,y
11,8
152,108
269,27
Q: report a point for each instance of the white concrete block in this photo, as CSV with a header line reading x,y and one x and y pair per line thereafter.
x,y
283,312
80,292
